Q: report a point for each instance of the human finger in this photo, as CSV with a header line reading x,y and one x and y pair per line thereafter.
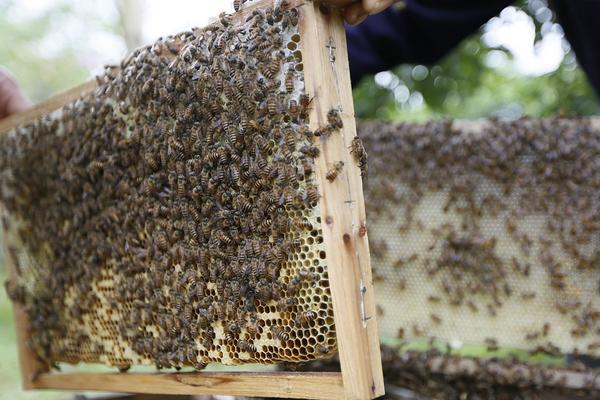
x,y
12,100
355,14
377,6
341,3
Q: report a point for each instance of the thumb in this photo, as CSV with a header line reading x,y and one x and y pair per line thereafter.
x,y
12,99
357,12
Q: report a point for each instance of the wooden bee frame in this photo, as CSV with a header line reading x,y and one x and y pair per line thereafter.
x,y
327,78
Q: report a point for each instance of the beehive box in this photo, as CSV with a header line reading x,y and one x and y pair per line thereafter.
x,y
201,205
484,238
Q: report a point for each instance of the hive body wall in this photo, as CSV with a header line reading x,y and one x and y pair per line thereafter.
x,y
171,217
487,236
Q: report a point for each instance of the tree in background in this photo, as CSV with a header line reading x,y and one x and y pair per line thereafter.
x,y
51,46
480,79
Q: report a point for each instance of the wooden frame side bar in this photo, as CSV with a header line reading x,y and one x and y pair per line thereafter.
x,y
327,78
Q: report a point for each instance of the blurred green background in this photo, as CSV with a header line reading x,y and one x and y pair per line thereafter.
x,y
517,64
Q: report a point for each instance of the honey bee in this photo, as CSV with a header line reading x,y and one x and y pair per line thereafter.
x,y
274,65
305,318
289,80
252,327
246,345
311,151
333,173
434,299
360,155
124,368
177,148
545,329
528,295
492,344
162,242
532,336
279,333
594,346
225,19
323,131
472,306
334,119
321,349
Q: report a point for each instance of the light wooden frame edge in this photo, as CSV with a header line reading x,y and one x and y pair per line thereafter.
x,y
327,78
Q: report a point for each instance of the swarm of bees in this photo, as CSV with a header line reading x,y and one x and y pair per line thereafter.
x,y
437,374
488,234
171,217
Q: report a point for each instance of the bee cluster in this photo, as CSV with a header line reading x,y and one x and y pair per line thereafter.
x,y
487,236
172,217
435,374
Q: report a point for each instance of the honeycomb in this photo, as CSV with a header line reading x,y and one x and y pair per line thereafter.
x,y
486,235
171,218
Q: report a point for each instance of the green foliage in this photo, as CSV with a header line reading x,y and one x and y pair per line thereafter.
x,y
30,54
465,85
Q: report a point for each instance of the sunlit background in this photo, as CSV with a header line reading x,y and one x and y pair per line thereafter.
x,y
518,64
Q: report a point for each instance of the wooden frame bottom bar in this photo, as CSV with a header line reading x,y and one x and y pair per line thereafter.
x,y
299,385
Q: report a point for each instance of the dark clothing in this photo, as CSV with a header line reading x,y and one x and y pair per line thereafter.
x,y
425,30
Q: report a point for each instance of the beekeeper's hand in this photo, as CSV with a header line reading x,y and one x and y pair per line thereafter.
x,y
12,99
355,11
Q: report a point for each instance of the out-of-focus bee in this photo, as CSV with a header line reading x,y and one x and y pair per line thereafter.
x,y
435,318
252,326
333,173
492,344
434,299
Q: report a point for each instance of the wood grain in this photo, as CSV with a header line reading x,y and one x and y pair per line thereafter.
x,y
327,78
298,385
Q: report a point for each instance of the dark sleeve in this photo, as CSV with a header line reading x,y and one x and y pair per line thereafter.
x,y
422,32
581,22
